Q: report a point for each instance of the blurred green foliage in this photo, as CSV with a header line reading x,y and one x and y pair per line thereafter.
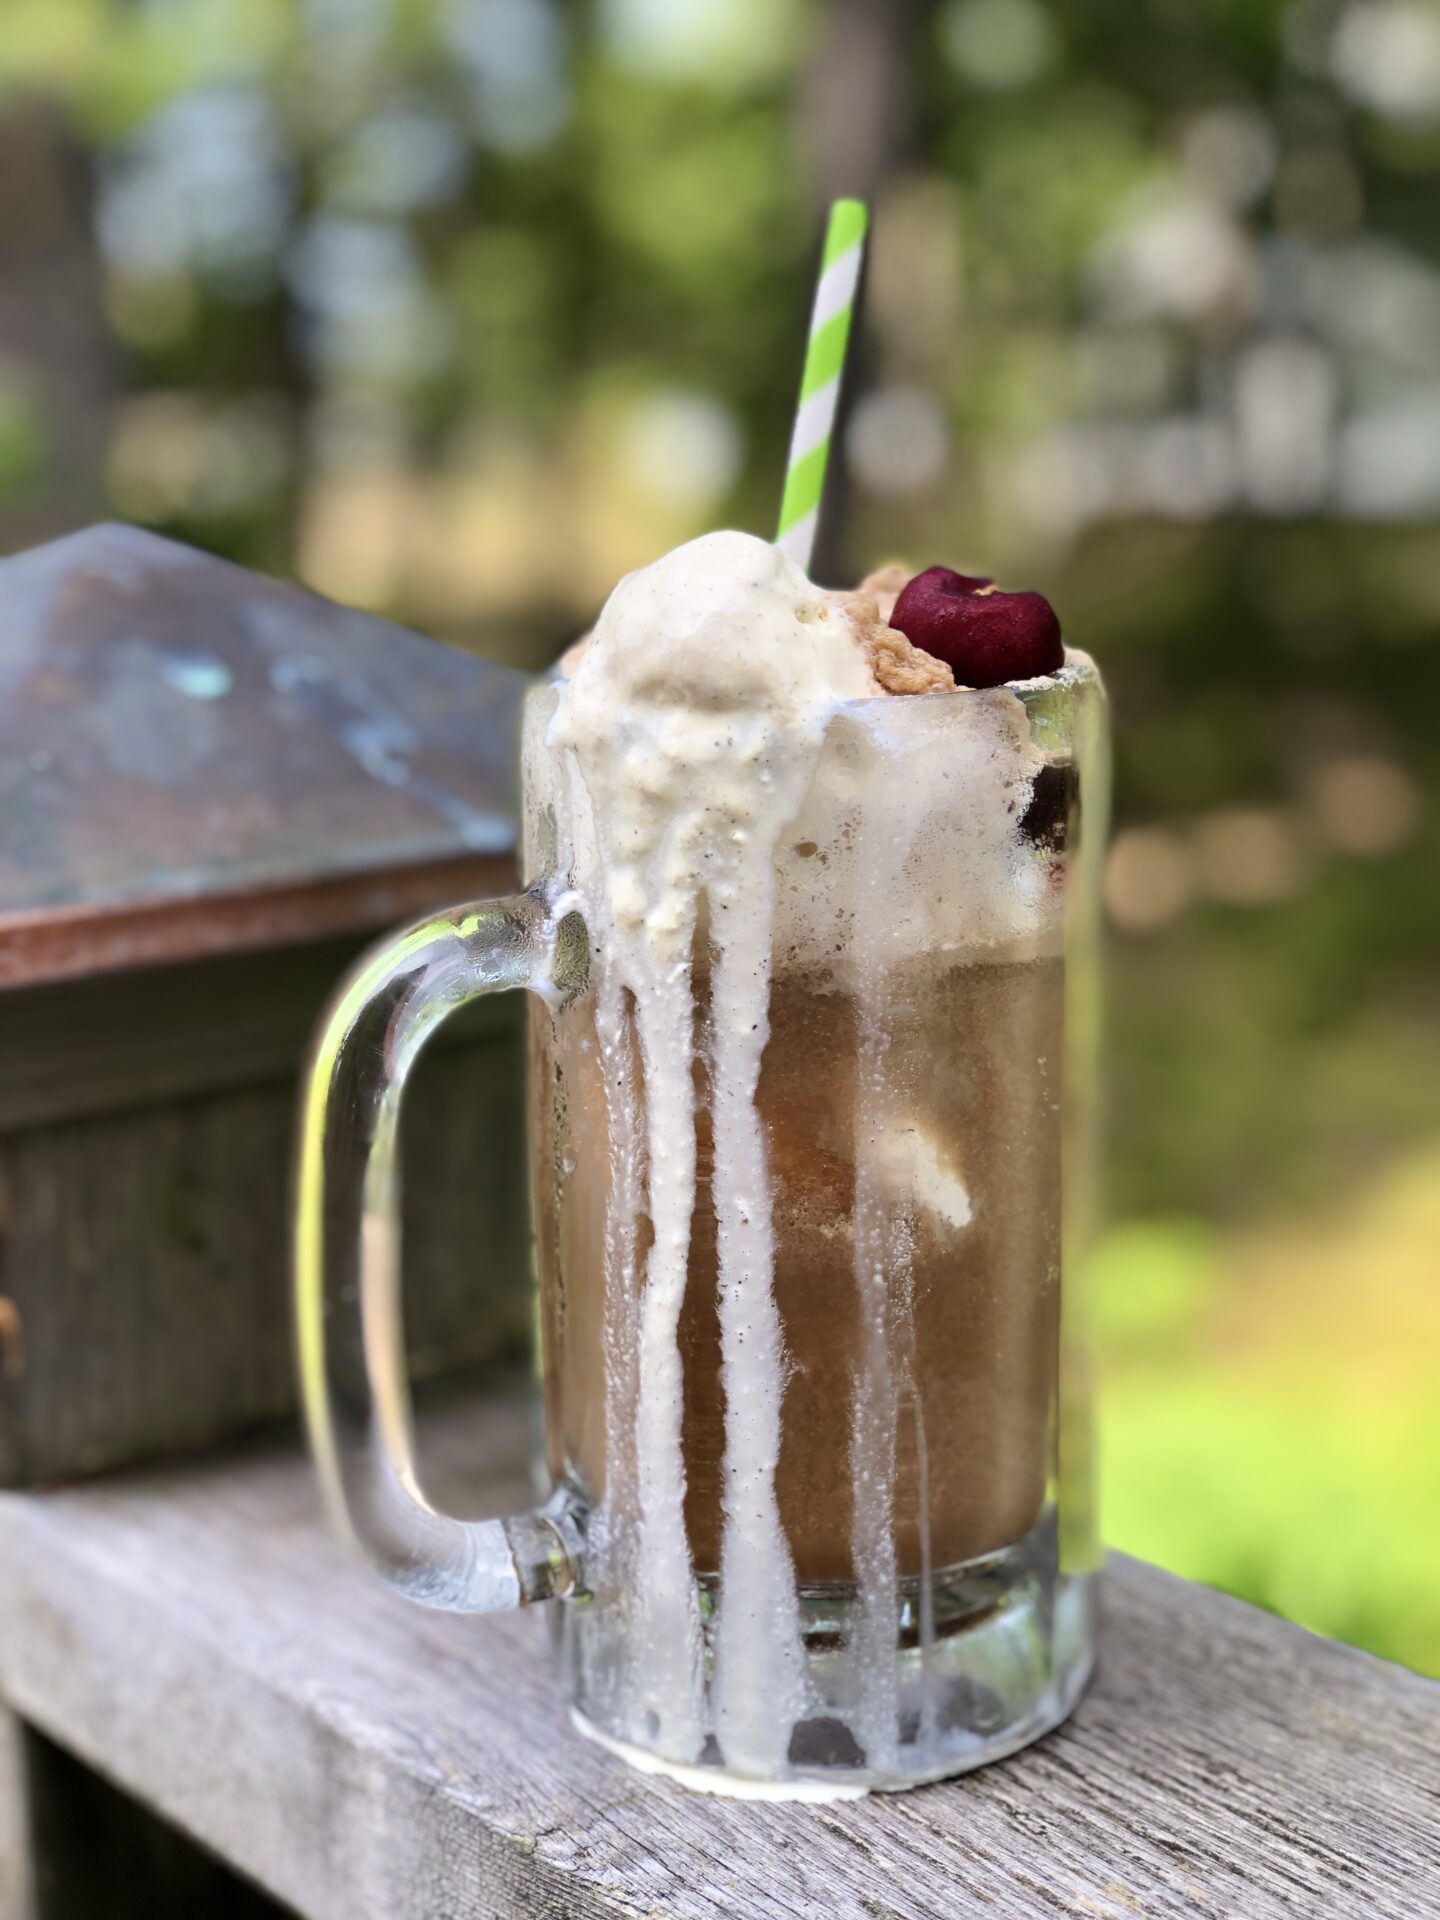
x,y
457,308
23,438
1304,1355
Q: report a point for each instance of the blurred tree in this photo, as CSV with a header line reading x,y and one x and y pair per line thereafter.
x,y
57,363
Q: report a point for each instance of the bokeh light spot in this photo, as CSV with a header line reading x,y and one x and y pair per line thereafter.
x,y
1148,879
685,447
999,44
1248,856
897,441
1366,805
1386,54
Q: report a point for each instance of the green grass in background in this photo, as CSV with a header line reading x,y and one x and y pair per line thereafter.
x,y
1271,1408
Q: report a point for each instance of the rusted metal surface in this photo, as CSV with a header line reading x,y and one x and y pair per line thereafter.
x,y
197,760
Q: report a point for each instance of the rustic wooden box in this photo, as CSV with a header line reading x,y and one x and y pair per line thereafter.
x,y
213,791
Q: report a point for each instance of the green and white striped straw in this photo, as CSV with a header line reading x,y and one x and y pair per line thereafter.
x,y
820,383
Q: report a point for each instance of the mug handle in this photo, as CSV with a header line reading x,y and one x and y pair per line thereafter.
x,y
347,1254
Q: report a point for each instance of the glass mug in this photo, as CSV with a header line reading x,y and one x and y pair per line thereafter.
x,y
926,1602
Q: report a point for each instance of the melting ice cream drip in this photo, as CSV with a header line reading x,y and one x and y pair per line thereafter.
x,y
668,1644
872,1447
759,1658
645,1017
880,1266
693,724
613,1527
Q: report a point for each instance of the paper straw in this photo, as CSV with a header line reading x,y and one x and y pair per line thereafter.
x,y
820,383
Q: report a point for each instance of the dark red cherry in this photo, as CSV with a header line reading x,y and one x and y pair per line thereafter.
x,y
985,636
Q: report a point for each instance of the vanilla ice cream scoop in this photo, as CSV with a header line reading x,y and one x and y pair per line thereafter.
x,y
696,713
726,621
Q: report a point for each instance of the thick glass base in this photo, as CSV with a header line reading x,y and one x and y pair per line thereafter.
x,y
994,1655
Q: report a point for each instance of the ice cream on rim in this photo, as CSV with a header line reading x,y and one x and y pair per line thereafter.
x,y
709,730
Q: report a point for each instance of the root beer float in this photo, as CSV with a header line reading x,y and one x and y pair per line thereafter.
x,y
798,1146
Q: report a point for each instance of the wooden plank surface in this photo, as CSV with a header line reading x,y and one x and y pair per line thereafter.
x,y
195,1635
158,1035
144,1293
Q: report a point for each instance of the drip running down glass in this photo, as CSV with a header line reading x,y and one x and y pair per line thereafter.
x,y
816,1408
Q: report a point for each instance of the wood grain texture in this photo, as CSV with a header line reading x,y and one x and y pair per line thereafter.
x,y
141,1039
195,1634
144,1260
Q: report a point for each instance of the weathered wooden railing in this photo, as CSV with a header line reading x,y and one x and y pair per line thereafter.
x,y
195,1636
